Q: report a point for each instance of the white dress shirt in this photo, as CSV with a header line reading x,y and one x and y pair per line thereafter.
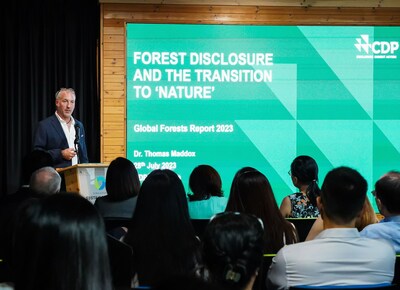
x,y
70,135
336,257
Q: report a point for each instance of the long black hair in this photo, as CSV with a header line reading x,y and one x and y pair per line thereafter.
x,y
161,235
251,192
60,243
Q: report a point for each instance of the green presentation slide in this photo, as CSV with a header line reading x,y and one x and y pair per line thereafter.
x,y
232,96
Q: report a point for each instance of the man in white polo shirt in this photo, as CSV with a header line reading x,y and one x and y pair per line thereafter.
x,y
338,256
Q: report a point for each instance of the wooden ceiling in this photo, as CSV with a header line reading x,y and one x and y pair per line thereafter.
x,y
275,3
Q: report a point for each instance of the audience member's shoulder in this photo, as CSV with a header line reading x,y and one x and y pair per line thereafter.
x,y
6,286
380,245
100,200
296,247
220,198
377,241
370,228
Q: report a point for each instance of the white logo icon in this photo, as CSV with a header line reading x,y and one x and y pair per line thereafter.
x,y
376,49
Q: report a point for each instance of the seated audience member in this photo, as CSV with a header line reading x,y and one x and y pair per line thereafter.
x,y
207,198
233,247
122,186
33,161
251,193
302,204
367,217
45,181
60,243
387,196
161,235
10,203
338,256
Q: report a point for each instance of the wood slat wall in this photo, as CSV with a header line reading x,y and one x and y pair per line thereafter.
x,y
302,3
112,51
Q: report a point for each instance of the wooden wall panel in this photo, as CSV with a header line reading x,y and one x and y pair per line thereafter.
x,y
114,70
301,3
114,61
114,133
115,142
114,54
114,38
113,95
115,16
113,86
115,78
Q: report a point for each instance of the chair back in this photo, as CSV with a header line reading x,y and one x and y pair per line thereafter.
x,y
115,226
199,226
259,284
112,223
303,226
121,262
396,278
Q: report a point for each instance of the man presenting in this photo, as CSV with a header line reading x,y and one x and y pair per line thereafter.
x,y
60,134
338,256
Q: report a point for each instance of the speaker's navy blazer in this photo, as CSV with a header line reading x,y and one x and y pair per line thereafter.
x,y
49,136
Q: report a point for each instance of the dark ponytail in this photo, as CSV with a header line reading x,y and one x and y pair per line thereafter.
x,y
313,191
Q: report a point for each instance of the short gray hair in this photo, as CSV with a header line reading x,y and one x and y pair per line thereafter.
x,y
45,180
62,90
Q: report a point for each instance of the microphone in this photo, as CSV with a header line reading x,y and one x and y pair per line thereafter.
x,y
77,133
76,141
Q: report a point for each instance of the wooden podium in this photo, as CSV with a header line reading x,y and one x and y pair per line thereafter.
x,y
87,179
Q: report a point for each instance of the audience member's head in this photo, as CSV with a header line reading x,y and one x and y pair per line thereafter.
x,y
204,182
252,193
304,168
34,160
304,172
250,188
60,243
233,246
45,181
367,216
387,193
161,234
122,180
343,195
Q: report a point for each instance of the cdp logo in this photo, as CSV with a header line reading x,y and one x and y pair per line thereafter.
x,y
100,182
376,49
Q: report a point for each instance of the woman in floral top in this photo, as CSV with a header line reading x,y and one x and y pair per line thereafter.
x,y
302,204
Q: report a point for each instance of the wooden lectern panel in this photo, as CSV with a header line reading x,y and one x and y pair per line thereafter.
x,y
87,179
72,180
